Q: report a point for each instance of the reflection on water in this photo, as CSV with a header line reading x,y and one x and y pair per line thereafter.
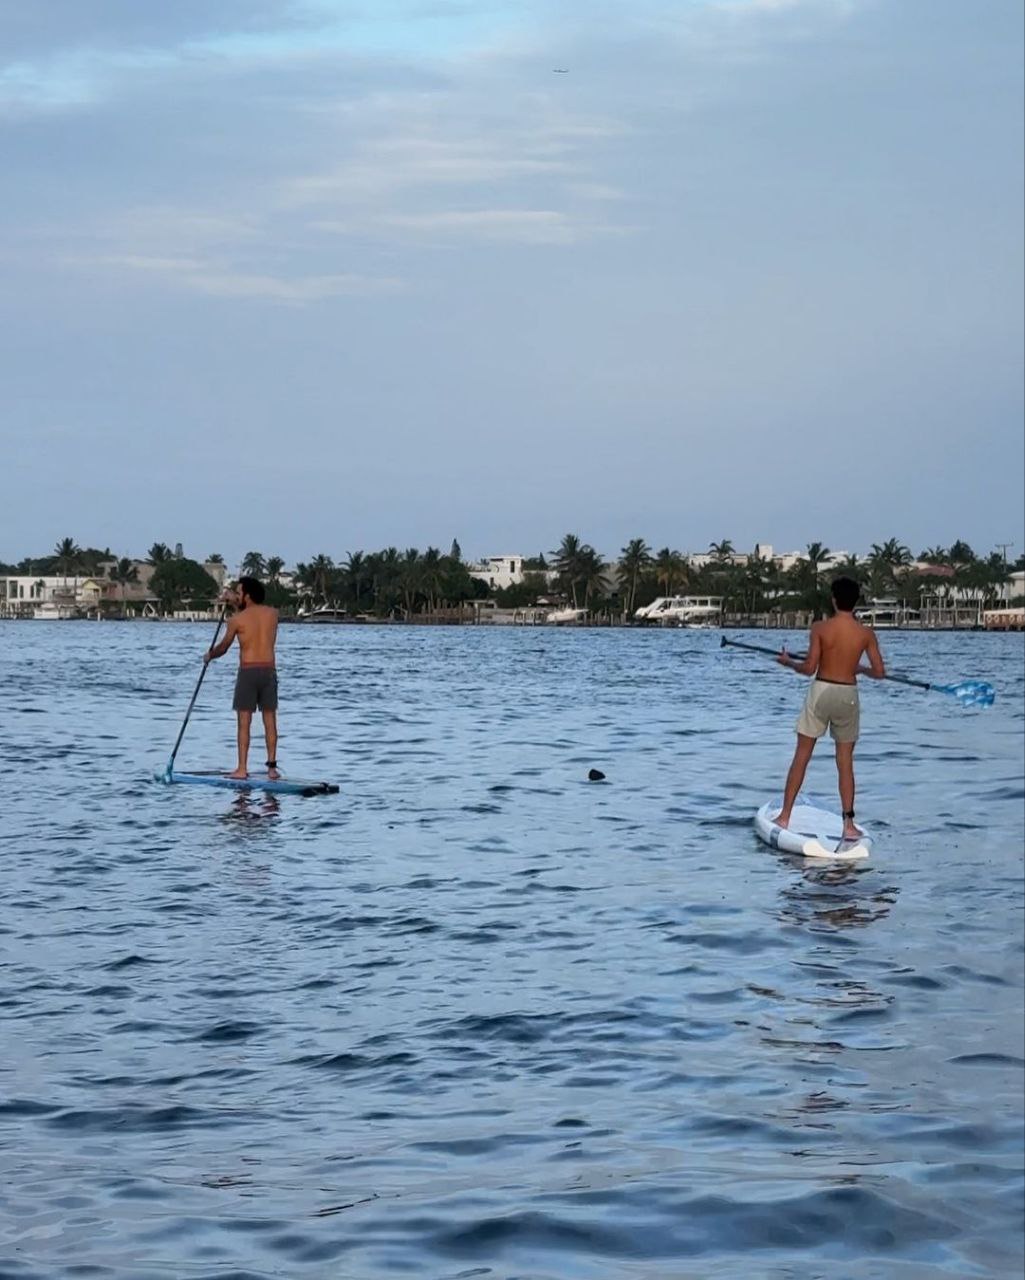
x,y
839,897
253,807
482,1015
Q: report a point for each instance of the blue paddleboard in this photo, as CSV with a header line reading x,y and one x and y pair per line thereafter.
x,y
255,782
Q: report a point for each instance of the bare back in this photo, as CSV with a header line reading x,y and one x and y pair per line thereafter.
x,y
256,627
837,647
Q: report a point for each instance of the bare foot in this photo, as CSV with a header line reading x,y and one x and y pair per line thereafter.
x,y
781,821
240,774
851,832
273,774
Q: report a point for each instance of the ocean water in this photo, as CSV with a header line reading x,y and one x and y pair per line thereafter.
x,y
477,1016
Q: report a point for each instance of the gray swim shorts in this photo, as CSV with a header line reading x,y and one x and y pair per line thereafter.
x,y
831,706
256,688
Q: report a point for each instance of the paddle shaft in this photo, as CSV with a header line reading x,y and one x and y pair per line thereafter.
x,y
195,694
764,648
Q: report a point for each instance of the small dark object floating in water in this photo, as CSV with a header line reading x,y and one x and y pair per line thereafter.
x,y
595,775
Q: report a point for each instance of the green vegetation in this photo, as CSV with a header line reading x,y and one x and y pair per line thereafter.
x,y
180,583
394,583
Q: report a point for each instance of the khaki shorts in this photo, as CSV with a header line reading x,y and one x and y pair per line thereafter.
x,y
831,706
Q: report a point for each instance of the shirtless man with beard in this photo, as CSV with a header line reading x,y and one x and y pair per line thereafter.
x,y
255,626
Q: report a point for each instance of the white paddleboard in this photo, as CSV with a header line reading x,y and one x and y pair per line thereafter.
x,y
812,833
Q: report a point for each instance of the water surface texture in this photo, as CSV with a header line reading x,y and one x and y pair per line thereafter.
x,y
480,1017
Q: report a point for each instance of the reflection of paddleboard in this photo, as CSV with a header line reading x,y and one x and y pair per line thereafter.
x,y
812,833
255,782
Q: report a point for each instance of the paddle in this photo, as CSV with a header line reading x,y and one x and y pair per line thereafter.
x,y
968,692
195,694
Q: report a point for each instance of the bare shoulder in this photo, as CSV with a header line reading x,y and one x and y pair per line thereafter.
x,y
866,632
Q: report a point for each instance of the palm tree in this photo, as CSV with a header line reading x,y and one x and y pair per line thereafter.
x,y
159,553
935,555
886,560
567,562
274,566
253,564
67,553
722,552
385,577
895,553
961,553
432,575
817,556
123,573
633,560
410,577
592,573
670,568
215,557
995,574
319,569
807,578
355,569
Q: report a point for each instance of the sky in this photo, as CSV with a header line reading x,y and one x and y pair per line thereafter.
x,y
313,276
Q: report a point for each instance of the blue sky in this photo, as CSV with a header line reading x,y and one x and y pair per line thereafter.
x,y
318,276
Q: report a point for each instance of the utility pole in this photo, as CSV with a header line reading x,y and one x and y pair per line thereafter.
x,y
1002,548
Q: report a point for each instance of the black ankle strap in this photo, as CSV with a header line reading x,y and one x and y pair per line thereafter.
x,y
272,764
848,813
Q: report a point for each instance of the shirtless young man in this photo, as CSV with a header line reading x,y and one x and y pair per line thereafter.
x,y
256,627
834,659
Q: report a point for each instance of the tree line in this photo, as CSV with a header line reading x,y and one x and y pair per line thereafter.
x,y
391,582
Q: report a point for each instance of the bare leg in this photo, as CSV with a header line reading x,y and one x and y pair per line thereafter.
x,y
270,733
245,721
795,777
845,768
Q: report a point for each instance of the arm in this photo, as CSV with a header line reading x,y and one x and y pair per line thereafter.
x,y
810,663
220,649
876,667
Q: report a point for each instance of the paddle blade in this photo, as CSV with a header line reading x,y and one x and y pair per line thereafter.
x,y
970,693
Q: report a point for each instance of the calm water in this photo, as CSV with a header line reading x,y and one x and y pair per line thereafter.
x,y
478,1017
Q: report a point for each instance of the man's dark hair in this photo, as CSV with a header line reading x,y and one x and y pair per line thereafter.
x,y
846,593
253,588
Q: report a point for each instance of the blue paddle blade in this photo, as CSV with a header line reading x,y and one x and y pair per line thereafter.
x,y
970,693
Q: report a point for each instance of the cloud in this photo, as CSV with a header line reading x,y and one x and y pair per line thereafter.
x,y
522,226
198,275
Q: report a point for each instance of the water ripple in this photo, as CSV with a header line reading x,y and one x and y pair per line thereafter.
x,y
481,1015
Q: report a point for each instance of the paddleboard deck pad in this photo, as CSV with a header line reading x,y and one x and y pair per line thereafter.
x,y
255,782
812,833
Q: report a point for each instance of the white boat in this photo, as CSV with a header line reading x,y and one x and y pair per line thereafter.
x,y
885,615
326,614
683,611
566,617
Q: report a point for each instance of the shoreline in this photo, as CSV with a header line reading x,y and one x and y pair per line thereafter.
x,y
790,623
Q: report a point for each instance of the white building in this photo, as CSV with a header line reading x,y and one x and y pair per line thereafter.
x,y
498,571
68,596
48,596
